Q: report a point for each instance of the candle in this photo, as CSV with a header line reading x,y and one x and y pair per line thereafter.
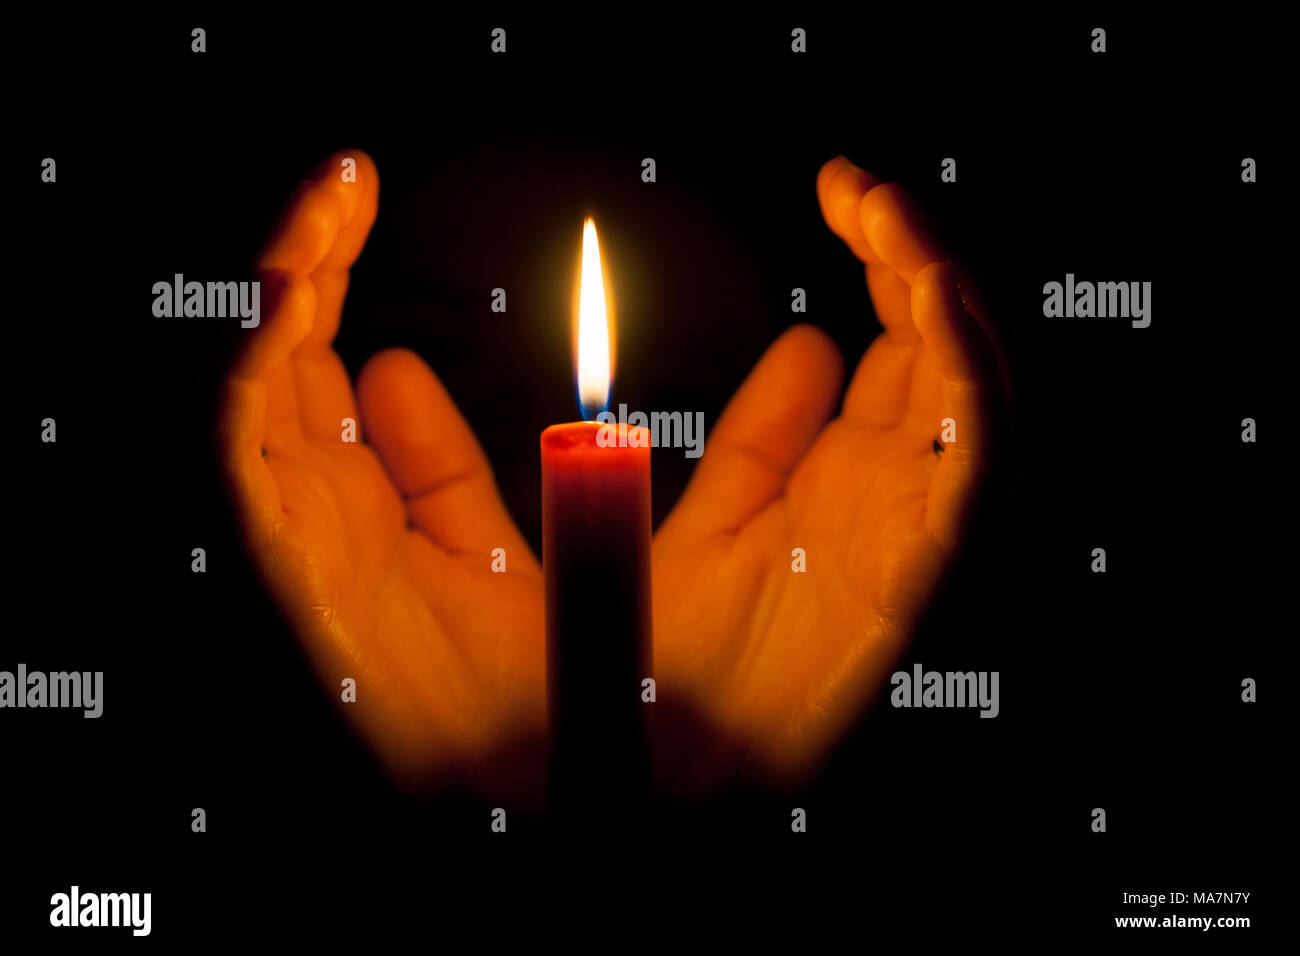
x,y
596,558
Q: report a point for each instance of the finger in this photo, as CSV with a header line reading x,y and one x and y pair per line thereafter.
x,y
325,224
289,310
898,230
765,429
322,393
434,459
250,483
303,277
891,297
303,265
925,396
840,188
321,233
878,393
967,368
247,408
896,375
350,182
973,298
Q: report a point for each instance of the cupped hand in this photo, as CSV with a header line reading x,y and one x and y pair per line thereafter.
x,y
378,550
778,662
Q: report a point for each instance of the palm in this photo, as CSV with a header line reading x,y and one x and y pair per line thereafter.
x,y
389,607
779,661
383,573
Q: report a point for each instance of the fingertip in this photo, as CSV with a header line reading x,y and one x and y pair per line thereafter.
x,y
352,175
392,373
844,192
405,407
840,187
813,352
432,456
367,171
792,388
397,356
306,232
326,222
827,173
897,228
954,338
804,361
765,428
934,282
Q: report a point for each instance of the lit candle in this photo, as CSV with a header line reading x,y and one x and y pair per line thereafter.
x,y
596,556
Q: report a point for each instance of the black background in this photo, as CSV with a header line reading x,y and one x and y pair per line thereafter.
x,y
1119,690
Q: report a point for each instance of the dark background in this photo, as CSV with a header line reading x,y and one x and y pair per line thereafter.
x,y
1119,690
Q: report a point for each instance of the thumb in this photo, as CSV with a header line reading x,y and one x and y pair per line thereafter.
x,y
765,429
433,458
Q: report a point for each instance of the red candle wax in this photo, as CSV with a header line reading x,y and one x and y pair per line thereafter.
x,y
596,558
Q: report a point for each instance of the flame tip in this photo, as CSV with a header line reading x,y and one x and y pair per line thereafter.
x,y
592,333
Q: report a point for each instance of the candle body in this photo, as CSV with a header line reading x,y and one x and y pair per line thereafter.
x,y
596,559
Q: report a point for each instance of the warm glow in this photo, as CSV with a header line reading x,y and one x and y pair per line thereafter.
x,y
592,340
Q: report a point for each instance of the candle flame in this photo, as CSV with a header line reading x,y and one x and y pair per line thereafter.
x,y
593,333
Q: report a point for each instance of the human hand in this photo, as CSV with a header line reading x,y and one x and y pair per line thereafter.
x,y
379,554
777,664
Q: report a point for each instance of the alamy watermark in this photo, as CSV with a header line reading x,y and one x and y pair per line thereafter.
x,y
59,689
659,430
213,300
102,909
1101,300
946,689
